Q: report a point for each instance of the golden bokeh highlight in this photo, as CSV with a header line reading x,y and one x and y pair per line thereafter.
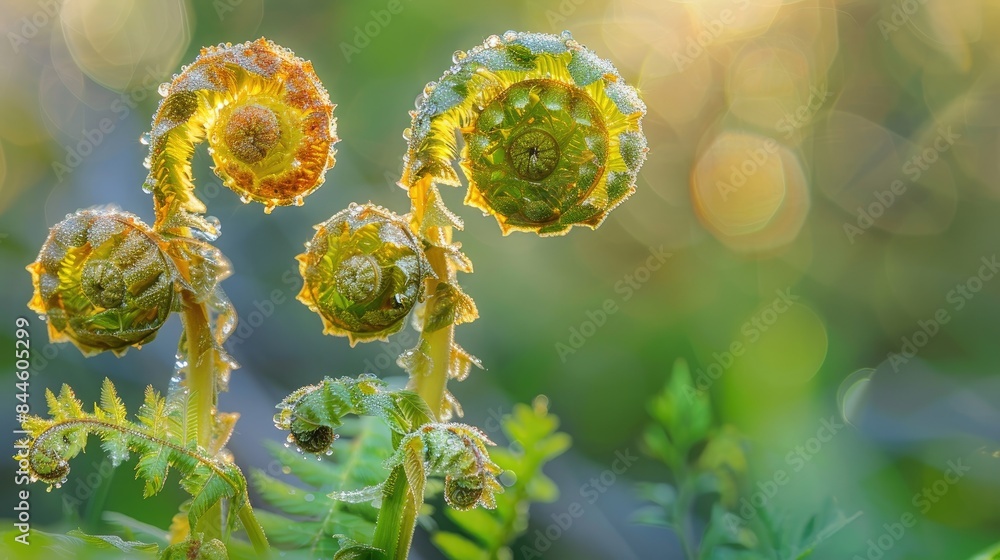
x,y
121,43
750,191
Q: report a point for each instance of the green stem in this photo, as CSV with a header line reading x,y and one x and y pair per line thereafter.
x,y
254,531
203,392
431,387
201,361
397,518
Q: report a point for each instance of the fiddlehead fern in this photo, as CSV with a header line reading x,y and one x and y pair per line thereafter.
x,y
458,453
363,272
104,281
269,124
552,133
422,448
553,139
160,438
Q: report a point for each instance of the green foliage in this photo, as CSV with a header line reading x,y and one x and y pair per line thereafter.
x,y
709,462
535,441
160,438
308,525
75,544
417,448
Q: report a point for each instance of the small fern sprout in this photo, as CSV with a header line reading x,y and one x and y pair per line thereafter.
x,y
553,134
268,121
362,273
163,439
459,453
312,413
103,281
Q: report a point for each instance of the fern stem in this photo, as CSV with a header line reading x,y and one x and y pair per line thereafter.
x,y
431,387
201,384
397,518
254,531
201,361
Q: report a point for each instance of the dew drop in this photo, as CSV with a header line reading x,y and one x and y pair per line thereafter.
x,y
144,139
309,497
147,163
508,478
299,200
493,41
407,134
458,56
163,89
853,394
286,469
296,164
245,198
287,445
216,225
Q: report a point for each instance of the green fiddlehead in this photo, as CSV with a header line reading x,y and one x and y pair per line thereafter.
x,y
104,281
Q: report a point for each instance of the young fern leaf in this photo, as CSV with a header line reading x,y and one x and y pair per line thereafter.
x,y
422,448
535,441
267,118
309,527
552,139
104,280
553,135
54,441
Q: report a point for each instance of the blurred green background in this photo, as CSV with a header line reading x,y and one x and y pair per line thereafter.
x,y
823,175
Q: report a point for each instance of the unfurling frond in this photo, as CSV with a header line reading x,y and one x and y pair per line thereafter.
x,y
155,438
